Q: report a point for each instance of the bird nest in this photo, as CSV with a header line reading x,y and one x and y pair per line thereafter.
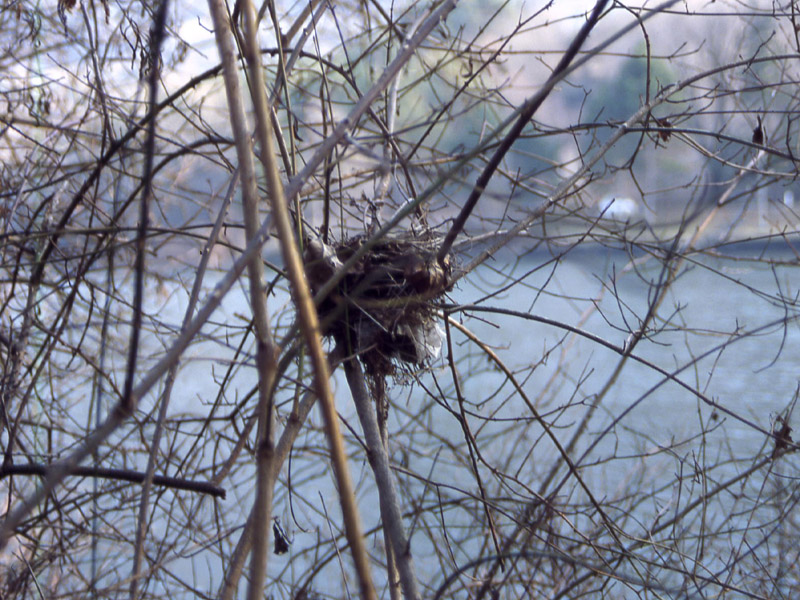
x,y
383,308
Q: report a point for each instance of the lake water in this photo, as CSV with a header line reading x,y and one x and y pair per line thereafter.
x,y
649,449
727,327
711,306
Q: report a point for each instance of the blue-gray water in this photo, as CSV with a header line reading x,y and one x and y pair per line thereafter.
x,y
653,446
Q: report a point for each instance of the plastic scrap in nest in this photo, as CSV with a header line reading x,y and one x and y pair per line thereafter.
x,y
384,307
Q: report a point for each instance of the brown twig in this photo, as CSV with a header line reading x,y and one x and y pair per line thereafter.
x,y
176,483
266,350
309,325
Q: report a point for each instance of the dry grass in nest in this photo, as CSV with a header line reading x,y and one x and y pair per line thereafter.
x,y
383,309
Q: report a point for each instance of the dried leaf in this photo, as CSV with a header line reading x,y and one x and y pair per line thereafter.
x,y
664,132
281,541
758,133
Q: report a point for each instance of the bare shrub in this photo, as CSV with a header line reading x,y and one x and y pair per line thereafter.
x,y
536,264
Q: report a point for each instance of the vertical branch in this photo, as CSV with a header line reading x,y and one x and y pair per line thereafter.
x,y
309,324
266,351
159,24
379,461
128,401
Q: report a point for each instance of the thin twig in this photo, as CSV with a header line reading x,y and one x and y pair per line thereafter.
x,y
144,503
176,483
526,114
407,50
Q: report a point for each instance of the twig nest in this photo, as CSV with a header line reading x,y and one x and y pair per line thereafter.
x,y
384,307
